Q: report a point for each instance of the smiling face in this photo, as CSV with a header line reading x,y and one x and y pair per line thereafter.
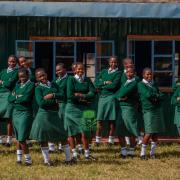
x,y
127,63
147,75
80,70
130,73
113,63
41,76
60,71
22,62
12,62
23,77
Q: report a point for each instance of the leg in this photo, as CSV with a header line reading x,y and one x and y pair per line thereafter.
x,y
72,144
123,152
111,132
45,153
144,145
25,150
66,149
153,145
79,143
9,132
99,132
51,146
19,152
132,146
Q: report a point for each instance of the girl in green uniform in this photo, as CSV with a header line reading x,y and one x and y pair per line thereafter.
x,y
80,92
151,98
47,126
21,98
8,79
176,102
108,82
128,127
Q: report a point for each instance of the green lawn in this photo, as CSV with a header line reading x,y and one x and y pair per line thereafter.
x,y
108,166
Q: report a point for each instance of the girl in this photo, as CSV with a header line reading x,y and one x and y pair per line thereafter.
x,y
80,91
8,79
176,102
127,96
151,98
47,126
108,82
21,98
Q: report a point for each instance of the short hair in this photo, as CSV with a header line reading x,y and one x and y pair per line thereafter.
x,y
61,65
146,69
79,63
113,57
39,70
133,68
12,56
23,70
127,59
22,57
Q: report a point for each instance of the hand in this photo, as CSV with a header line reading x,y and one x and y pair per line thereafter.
x,y
13,94
1,81
178,98
48,96
123,99
108,82
178,84
79,95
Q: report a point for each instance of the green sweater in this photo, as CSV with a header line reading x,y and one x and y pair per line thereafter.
x,y
124,78
9,80
22,96
174,98
150,96
86,88
108,89
130,91
175,86
50,104
62,86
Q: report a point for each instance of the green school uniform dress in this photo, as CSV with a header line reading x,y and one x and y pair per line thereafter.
x,y
9,77
75,122
128,117
177,108
62,85
21,98
151,98
47,125
107,102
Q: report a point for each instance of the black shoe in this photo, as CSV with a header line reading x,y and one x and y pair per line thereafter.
x,y
28,163
30,144
71,162
19,162
91,158
97,144
143,157
123,156
153,156
81,152
49,163
130,156
7,144
110,145
52,152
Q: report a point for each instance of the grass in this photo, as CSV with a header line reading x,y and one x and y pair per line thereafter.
x,y
108,166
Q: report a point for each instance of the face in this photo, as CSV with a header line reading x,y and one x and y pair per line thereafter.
x,y
80,70
22,62
12,62
130,73
41,76
60,71
128,63
113,63
23,77
147,75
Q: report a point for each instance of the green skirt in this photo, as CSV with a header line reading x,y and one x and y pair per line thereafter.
x,y
22,121
177,118
153,121
5,107
107,108
76,120
47,126
61,112
129,123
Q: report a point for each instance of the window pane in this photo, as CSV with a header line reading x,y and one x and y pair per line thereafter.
x,y
163,63
104,49
65,49
67,62
131,48
163,79
162,47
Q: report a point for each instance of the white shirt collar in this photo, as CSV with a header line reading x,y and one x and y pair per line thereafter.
x,y
61,78
147,82
129,81
112,70
48,84
124,70
80,79
24,84
9,69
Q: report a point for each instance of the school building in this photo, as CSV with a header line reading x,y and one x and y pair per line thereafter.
x,y
49,32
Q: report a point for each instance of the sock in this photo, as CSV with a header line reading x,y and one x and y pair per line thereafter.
x,y
19,155
143,150
67,152
45,153
139,140
127,140
98,139
111,140
124,151
86,153
9,139
28,158
75,154
80,148
153,148
1,140
130,151
90,146
51,146
60,146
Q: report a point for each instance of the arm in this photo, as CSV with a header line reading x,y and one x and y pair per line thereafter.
x,y
91,93
174,100
99,83
144,91
12,96
11,83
